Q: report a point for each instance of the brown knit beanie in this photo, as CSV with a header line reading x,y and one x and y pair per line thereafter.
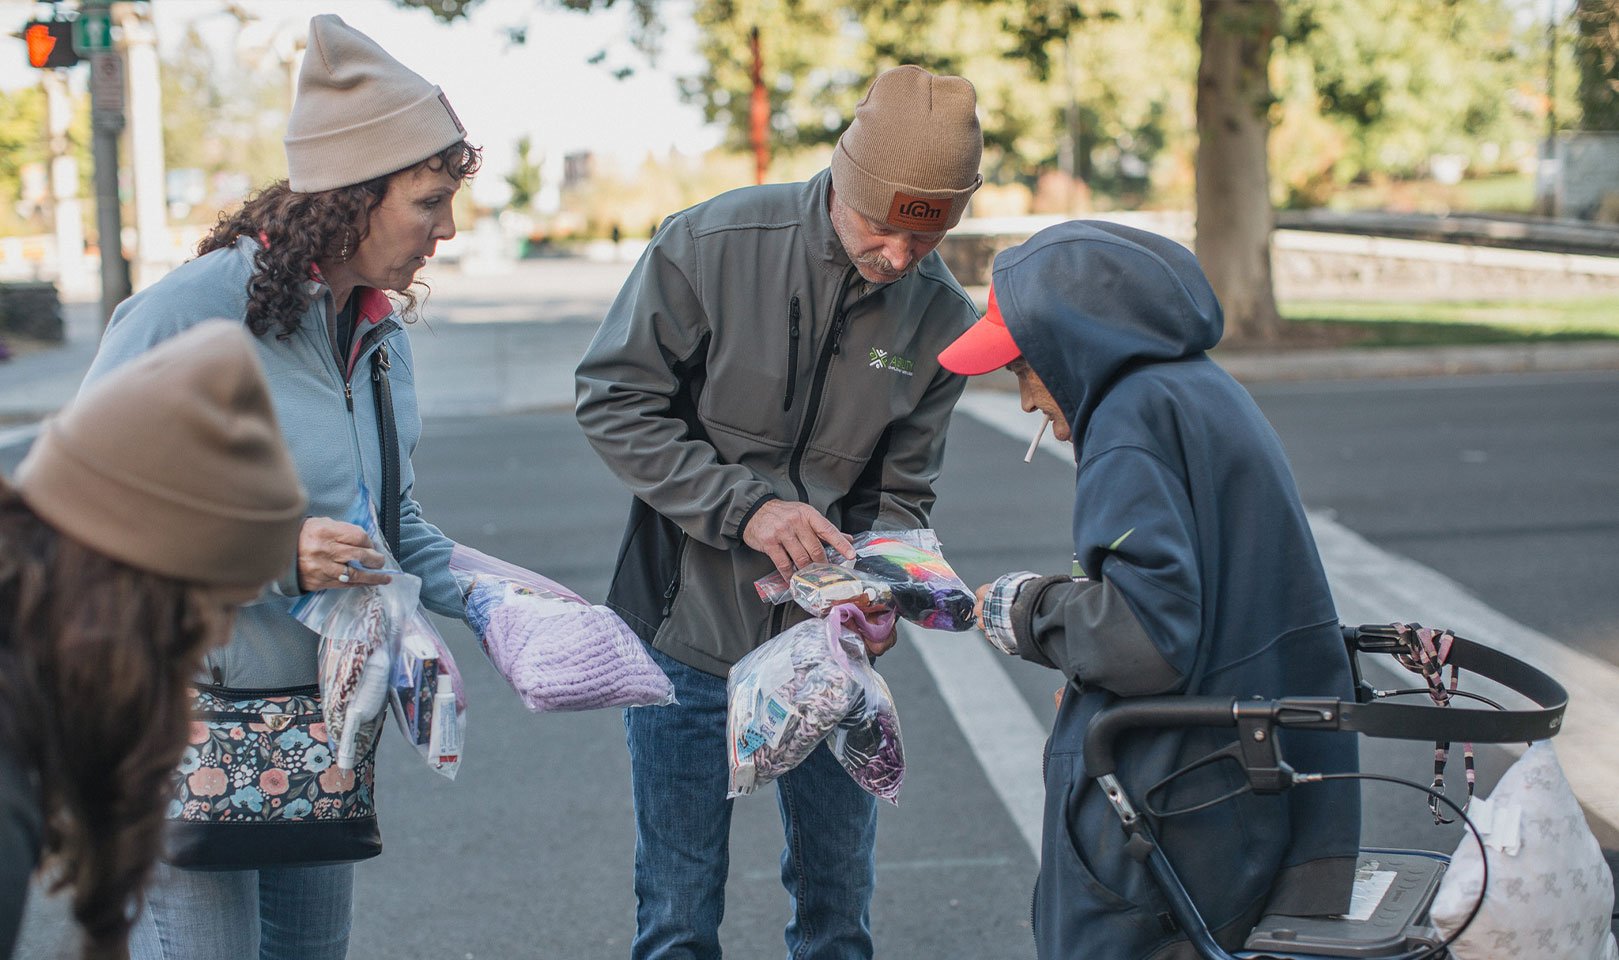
x,y
910,158
359,113
174,464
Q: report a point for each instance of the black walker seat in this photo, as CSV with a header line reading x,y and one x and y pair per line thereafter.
x,y
1392,919
1387,916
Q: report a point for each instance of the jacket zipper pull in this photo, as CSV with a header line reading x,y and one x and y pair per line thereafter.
x,y
792,353
837,336
348,395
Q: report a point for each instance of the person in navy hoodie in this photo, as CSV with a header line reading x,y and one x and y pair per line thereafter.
x,y
1195,573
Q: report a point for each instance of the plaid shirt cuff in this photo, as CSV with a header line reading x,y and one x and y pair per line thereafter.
x,y
998,609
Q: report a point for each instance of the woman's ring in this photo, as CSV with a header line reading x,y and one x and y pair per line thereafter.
x,y
343,577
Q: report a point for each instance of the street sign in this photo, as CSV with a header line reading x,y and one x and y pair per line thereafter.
x,y
92,32
107,88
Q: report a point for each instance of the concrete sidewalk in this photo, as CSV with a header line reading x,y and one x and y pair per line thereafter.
x,y
507,342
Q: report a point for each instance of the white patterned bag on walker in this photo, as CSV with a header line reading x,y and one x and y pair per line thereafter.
x,y
1549,893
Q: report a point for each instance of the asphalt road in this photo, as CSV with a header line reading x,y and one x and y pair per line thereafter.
x,y
538,833
1508,484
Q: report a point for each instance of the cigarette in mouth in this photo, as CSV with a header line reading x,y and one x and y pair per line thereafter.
x,y
1035,443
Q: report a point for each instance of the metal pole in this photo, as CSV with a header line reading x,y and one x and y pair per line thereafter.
x,y
758,111
109,220
107,122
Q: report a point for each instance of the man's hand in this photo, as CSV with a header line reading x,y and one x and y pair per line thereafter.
x,y
978,607
325,549
791,534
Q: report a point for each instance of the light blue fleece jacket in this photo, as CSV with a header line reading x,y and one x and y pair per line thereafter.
x,y
332,442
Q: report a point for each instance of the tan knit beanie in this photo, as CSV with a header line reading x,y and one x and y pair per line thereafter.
x,y
174,464
910,158
359,113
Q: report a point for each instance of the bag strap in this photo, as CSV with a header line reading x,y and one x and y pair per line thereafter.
x,y
388,439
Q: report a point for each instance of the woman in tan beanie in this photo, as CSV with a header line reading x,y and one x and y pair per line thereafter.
x,y
109,600
375,156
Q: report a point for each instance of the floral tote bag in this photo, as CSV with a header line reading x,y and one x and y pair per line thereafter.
x,y
258,785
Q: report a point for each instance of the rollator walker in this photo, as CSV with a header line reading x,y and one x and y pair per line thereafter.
x,y
1401,883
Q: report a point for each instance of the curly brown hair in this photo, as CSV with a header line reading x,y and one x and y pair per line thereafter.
x,y
299,228
95,660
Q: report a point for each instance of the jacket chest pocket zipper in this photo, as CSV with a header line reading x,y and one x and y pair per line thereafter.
x,y
792,353
674,581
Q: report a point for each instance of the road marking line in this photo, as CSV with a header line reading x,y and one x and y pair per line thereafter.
x,y
1369,585
1002,730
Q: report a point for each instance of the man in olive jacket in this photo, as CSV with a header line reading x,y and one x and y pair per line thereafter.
x,y
765,384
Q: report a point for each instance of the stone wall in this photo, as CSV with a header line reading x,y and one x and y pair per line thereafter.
x,y
1588,176
31,309
1330,265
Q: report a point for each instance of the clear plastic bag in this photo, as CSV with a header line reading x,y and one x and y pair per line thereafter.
x,y
557,651
904,569
819,587
811,682
372,639
425,695
359,630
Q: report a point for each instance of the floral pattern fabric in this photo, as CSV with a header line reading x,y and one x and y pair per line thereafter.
x,y
266,759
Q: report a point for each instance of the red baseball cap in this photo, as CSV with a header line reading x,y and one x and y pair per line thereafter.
x,y
984,347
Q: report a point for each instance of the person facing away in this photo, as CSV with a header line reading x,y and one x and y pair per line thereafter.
x,y
146,509
375,156
766,384
1195,573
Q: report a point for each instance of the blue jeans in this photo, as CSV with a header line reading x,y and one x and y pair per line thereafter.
x,y
679,769
284,913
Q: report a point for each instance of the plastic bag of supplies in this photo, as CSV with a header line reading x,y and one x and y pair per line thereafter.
x,y
555,649
360,629
900,570
812,682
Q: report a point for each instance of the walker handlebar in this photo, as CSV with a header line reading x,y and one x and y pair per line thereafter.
x,y
1158,712
1381,719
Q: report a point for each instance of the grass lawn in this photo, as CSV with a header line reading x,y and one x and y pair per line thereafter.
x,y
1397,324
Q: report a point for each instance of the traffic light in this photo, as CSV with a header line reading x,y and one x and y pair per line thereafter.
x,y
50,43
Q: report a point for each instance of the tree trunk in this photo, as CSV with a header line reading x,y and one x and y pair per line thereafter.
x,y
1234,216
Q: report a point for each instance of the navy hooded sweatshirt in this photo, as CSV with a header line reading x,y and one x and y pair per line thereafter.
x,y
1202,578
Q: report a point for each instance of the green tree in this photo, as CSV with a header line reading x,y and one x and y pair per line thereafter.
x,y
1386,84
22,142
225,121
1151,98
1597,54
524,180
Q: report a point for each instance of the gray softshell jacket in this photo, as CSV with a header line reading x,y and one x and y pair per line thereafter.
x,y
745,360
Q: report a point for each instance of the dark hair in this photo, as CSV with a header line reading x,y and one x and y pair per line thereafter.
x,y
95,660
299,228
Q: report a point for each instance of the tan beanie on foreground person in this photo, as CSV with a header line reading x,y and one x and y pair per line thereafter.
x,y
360,114
174,464
910,157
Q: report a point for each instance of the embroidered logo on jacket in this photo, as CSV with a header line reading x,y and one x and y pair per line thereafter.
x,y
880,359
